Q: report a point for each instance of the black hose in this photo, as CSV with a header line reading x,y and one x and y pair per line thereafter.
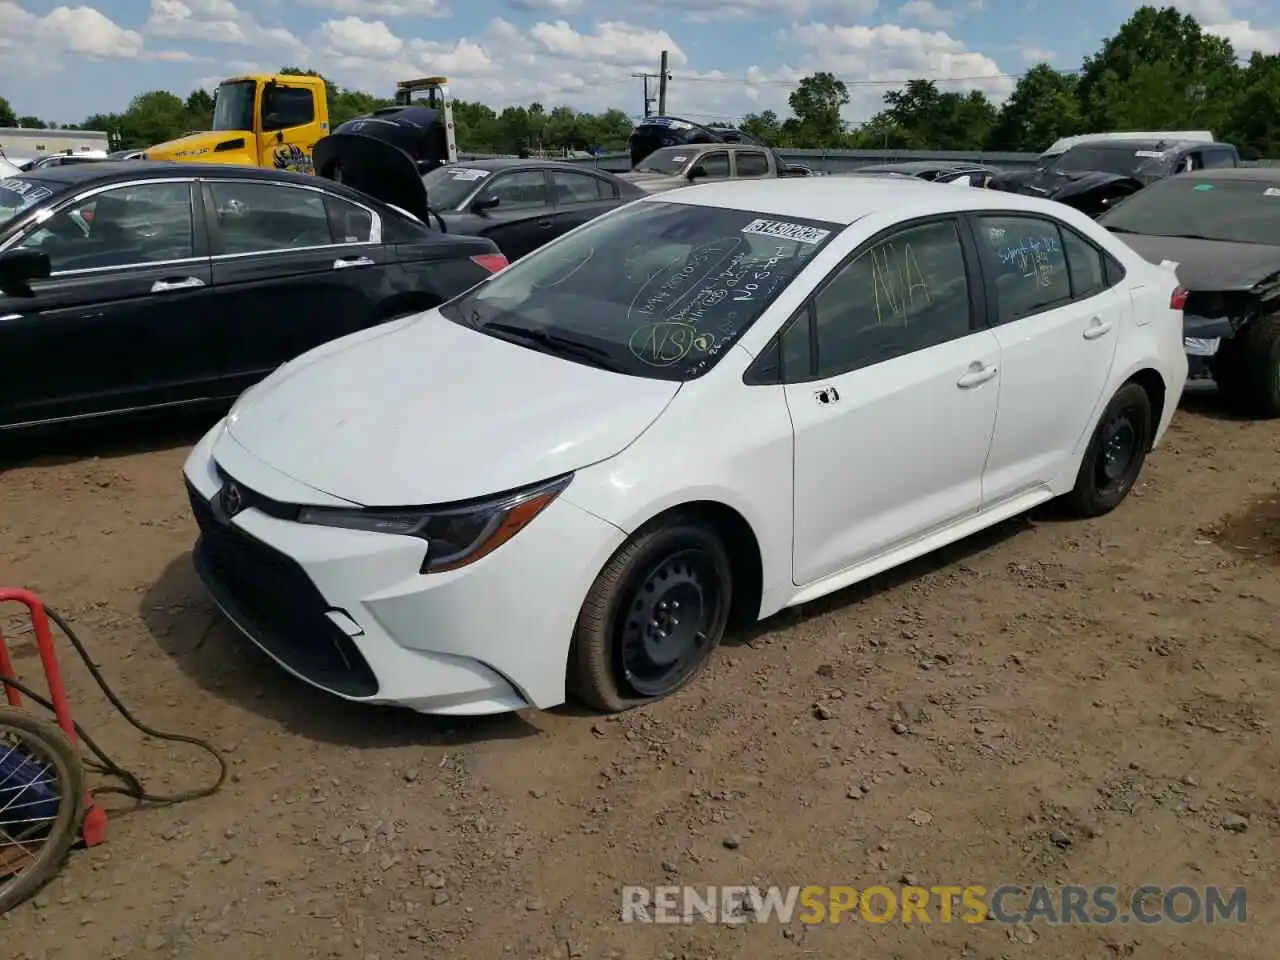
x,y
133,786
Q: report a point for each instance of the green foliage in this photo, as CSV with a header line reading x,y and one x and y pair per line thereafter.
x,y
1159,71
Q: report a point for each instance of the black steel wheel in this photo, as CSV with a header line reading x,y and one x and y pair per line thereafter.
x,y
653,617
1115,455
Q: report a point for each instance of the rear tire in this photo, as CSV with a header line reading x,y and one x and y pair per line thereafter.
x,y
1115,455
1248,369
653,617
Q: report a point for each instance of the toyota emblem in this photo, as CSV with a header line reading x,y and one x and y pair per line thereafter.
x,y
232,500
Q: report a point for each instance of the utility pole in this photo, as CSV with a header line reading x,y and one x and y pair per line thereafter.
x,y
648,100
663,77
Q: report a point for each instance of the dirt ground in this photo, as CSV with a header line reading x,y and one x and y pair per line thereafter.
x,y
1050,702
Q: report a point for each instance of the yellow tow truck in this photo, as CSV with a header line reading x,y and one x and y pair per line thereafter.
x,y
275,120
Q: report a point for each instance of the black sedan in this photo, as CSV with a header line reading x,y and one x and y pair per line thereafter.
x,y
1221,230
139,285
522,204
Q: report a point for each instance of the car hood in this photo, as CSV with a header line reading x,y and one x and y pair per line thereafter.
x,y
1210,264
426,411
655,182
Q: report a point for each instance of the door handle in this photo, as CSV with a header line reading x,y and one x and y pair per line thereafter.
x,y
827,395
343,262
186,283
975,377
1097,328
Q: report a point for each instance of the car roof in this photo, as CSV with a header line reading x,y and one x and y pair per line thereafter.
x,y
513,163
1243,174
919,165
842,200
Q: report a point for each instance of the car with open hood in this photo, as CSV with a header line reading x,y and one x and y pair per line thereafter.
x,y
141,285
1221,228
704,407
1095,175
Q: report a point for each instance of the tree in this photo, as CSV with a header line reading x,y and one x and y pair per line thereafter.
x,y
7,117
1043,107
920,117
765,127
816,105
1254,125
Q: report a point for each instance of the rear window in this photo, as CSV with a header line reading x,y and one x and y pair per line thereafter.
x,y
1237,211
18,195
657,289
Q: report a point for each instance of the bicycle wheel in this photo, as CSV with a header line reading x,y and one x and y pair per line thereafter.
x,y
41,803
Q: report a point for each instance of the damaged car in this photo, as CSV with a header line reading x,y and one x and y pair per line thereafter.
x,y
1096,175
1222,230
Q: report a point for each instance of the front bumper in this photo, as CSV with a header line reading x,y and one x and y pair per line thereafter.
x,y
348,612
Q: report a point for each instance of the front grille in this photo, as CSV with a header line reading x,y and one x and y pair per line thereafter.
x,y
276,604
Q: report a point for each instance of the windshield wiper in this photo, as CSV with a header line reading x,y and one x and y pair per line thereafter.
x,y
556,343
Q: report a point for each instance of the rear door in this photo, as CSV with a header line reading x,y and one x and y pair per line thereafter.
x,y
579,197
124,320
293,267
524,218
750,164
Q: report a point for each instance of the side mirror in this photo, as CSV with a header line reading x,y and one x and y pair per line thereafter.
x,y
19,267
481,204
697,172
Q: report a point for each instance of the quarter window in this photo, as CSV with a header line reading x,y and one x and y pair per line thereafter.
x,y
1087,269
348,223
1029,262
127,226
907,292
527,188
261,217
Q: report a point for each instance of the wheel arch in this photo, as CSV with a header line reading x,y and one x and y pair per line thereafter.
x,y
1150,380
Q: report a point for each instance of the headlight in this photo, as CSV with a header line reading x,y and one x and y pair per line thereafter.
x,y
455,535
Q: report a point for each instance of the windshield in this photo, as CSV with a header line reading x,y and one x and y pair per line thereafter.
x,y
233,105
448,186
656,289
1237,211
668,160
18,195
1124,161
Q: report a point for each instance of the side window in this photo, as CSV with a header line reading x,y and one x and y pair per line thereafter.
x,y
289,107
1216,157
1029,264
573,187
1085,266
348,223
907,292
128,226
260,217
752,164
715,164
527,188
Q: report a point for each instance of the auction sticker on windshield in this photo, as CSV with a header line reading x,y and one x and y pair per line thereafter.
x,y
17,196
467,173
1153,154
786,231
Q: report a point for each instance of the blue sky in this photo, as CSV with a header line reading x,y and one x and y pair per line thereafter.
x,y
63,62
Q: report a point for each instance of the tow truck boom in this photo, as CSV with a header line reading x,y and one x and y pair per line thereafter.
x,y
438,99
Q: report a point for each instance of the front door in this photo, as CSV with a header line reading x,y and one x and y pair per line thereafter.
x,y
892,434
124,321
293,267
1058,325
524,218
288,125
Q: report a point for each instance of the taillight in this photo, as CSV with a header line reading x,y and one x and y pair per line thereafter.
x,y
1179,299
493,262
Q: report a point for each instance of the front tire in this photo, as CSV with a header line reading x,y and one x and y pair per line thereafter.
x,y
1115,455
653,617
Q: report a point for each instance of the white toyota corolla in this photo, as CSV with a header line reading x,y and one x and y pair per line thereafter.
x,y
711,404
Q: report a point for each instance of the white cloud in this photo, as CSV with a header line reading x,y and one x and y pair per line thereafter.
x,y
1246,38
1037,55
383,8
928,13
353,37
84,31
219,21
1231,21
613,42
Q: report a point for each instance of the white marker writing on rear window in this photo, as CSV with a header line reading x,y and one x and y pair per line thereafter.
x,y
786,231
464,173
1271,192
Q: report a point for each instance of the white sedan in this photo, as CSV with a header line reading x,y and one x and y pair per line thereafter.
x,y
709,405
